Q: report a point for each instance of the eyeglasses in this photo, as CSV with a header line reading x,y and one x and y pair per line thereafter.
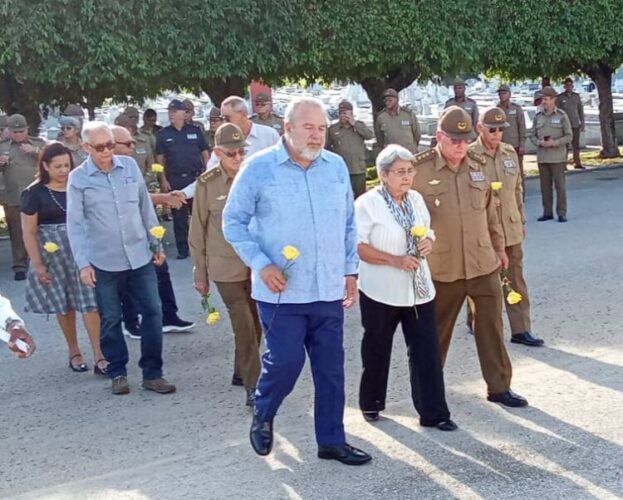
x,y
129,144
403,173
67,127
261,103
493,130
234,153
101,147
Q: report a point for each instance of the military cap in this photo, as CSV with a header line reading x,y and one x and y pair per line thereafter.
x,y
229,136
74,110
131,111
124,120
494,117
176,104
459,83
548,92
345,105
69,121
390,93
262,97
4,121
17,123
214,112
188,105
456,123
504,88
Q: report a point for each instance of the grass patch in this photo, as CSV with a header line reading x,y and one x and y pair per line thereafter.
x,y
592,159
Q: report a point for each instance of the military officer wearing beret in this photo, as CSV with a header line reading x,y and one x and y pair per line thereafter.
x,y
215,259
461,100
215,120
469,249
265,115
346,138
502,165
551,131
189,108
396,125
18,164
515,133
571,103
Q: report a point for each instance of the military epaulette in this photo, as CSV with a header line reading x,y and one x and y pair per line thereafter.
x,y
424,156
213,173
477,157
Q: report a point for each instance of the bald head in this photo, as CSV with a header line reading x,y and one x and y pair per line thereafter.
x,y
124,142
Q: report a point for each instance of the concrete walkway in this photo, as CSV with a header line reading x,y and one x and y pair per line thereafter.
x,y
65,437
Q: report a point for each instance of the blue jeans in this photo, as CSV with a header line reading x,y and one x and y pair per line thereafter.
x,y
317,328
142,286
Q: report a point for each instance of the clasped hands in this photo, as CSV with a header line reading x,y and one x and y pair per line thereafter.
x,y
410,263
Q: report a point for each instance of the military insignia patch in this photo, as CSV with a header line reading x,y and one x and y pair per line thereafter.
x,y
461,125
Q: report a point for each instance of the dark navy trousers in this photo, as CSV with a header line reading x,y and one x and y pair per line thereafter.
x,y
315,327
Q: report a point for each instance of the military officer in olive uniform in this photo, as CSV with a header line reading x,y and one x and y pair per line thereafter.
x,y
265,115
18,164
215,260
469,248
396,125
143,152
551,131
461,100
571,103
515,133
189,108
346,138
502,165
215,120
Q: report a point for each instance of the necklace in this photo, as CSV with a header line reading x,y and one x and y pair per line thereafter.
x,y
56,202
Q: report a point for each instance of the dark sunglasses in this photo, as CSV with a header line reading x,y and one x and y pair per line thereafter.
x,y
128,144
234,153
262,103
101,147
493,130
67,127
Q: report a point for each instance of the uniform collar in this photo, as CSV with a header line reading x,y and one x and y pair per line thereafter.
x,y
480,148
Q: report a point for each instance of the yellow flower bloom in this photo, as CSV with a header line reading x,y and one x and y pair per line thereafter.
x,y
418,232
290,252
213,318
50,247
157,232
514,297
157,168
496,186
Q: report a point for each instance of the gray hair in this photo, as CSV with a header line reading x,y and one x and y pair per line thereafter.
x,y
237,104
299,102
389,155
91,127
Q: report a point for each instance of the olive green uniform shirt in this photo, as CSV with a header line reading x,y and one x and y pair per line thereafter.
x,y
348,142
463,216
20,170
469,105
78,154
272,121
503,166
209,137
572,105
556,126
515,135
144,156
213,257
402,128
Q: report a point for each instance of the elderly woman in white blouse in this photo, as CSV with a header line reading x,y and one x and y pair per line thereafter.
x,y
396,288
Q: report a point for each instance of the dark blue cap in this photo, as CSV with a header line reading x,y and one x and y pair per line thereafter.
x,y
176,104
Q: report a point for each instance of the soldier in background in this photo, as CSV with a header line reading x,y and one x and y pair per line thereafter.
x,y
396,125
70,138
462,101
515,133
265,115
215,120
571,103
150,117
189,108
346,138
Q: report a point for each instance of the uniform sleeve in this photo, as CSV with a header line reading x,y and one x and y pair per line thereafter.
x,y
160,143
533,131
363,130
29,202
198,235
521,127
581,111
329,144
415,128
145,205
495,227
380,140
566,130
201,141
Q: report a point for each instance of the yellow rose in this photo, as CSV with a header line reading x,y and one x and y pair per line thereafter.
x,y
157,232
290,252
213,318
157,168
50,247
419,232
514,297
496,186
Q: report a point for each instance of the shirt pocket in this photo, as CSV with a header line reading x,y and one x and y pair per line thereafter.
x,y
478,195
438,199
131,191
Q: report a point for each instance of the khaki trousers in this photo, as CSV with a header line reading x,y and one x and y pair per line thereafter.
x,y
523,183
575,146
486,293
518,314
553,175
14,223
247,330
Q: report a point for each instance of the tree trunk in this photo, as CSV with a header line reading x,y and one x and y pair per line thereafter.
x,y
219,90
16,97
601,74
397,79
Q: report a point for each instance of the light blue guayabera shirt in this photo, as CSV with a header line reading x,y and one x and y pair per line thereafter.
x,y
275,202
109,216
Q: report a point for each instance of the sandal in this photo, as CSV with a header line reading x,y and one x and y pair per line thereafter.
x,y
100,371
82,367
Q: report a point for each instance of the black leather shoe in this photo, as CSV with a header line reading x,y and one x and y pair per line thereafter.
x,y
579,167
261,436
562,218
236,380
545,217
182,256
19,276
442,425
508,398
526,338
370,416
347,454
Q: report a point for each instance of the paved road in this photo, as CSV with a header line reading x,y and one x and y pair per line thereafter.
x,y
64,436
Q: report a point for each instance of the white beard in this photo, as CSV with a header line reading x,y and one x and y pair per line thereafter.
x,y
310,154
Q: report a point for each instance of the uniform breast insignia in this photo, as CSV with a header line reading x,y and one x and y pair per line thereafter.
x,y
477,157
434,182
424,156
476,176
221,198
405,123
437,202
213,173
509,164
